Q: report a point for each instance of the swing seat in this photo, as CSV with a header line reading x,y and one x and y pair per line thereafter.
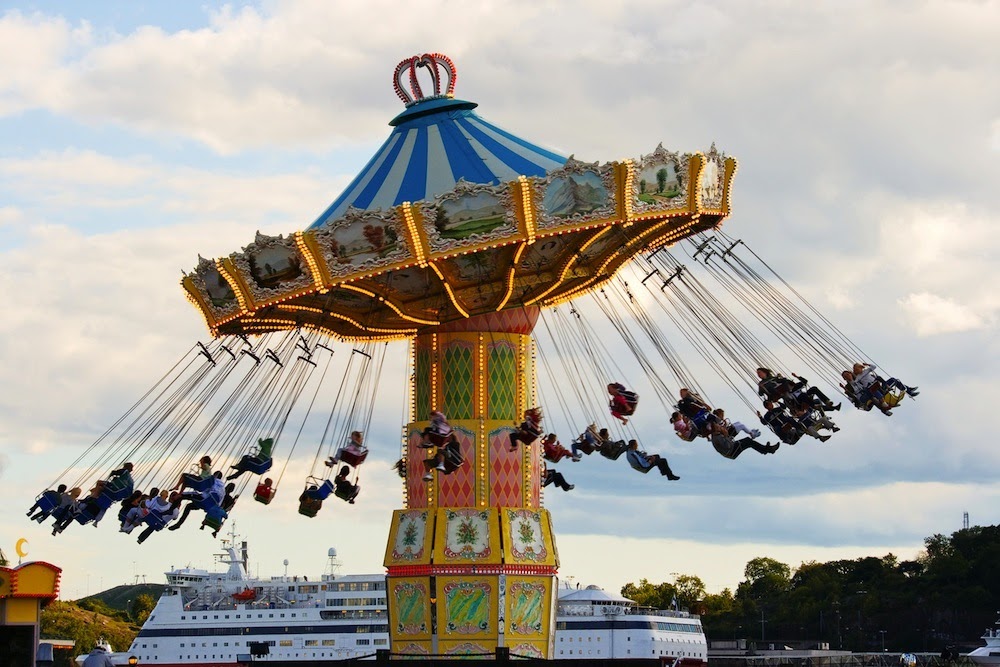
x,y
893,397
348,494
155,520
214,517
198,483
321,493
613,449
257,466
354,458
116,494
263,494
47,502
437,438
309,507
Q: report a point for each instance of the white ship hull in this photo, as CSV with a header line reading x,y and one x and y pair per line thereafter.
x,y
207,619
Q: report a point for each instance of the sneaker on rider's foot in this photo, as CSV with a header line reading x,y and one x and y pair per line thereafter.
x,y
570,487
824,438
672,477
441,467
754,433
428,477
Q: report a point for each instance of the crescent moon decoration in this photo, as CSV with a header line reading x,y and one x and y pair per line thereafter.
x,y
19,548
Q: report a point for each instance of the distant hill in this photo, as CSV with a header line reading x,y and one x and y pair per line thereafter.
x,y
120,596
66,620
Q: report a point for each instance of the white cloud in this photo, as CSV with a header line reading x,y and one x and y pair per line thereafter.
x,y
930,314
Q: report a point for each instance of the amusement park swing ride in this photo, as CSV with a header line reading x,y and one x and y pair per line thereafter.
x,y
459,238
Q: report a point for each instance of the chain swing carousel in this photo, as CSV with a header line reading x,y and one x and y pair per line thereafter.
x,y
454,236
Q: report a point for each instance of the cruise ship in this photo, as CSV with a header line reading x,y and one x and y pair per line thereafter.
x,y
217,619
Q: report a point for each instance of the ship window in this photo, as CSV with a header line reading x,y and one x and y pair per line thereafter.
x,y
286,642
205,617
182,645
329,642
381,642
282,616
226,616
237,616
144,646
312,642
215,617
183,618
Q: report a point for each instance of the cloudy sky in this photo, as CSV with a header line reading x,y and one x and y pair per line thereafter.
x,y
134,138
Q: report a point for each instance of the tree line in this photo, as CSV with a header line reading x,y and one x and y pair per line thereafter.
x,y
944,598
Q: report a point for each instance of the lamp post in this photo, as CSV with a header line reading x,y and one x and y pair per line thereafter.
x,y
882,632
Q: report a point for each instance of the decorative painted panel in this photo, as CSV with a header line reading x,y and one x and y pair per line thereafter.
x,y
410,538
471,649
410,607
576,193
712,180
467,536
473,214
528,602
660,182
361,242
272,268
524,536
467,607
528,649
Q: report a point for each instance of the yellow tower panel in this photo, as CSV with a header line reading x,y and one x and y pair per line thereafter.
x,y
527,537
467,536
468,609
409,609
410,537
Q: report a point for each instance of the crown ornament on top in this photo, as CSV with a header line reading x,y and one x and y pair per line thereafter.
x,y
437,64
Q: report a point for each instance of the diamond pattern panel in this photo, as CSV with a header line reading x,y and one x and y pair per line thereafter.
x,y
416,489
459,488
502,381
505,470
422,393
458,380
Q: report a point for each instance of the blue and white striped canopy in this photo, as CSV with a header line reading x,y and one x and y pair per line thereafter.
x,y
435,143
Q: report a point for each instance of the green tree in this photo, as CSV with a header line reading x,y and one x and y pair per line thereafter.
x,y
690,591
657,596
661,179
141,607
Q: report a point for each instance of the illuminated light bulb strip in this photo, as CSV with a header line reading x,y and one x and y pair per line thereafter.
x,y
393,306
567,265
732,166
628,192
413,236
319,280
597,279
227,269
699,159
484,453
527,208
449,292
434,372
310,309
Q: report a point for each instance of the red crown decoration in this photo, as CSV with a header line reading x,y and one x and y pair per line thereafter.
x,y
435,63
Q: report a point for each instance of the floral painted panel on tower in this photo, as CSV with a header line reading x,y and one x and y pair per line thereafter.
x,y
410,538
467,536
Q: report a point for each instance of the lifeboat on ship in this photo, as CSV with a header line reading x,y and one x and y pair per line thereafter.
x,y
246,595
